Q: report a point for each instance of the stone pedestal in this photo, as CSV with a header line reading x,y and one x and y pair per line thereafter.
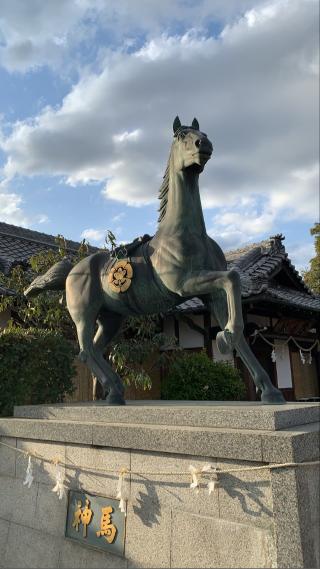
x,y
254,518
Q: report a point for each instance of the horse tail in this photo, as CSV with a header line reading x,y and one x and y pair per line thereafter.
x,y
53,279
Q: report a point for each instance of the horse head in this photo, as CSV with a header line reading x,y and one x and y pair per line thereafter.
x,y
191,148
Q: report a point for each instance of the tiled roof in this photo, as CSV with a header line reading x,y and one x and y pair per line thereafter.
x,y
18,244
291,296
258,264
192,305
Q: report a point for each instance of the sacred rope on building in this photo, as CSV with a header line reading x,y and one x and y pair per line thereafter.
x,y
305,353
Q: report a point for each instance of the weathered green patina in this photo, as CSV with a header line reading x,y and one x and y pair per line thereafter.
x,y
179,262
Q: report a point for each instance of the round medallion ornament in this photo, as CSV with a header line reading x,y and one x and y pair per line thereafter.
x,y
119,277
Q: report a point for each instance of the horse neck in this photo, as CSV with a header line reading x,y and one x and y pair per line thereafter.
x,y
183,210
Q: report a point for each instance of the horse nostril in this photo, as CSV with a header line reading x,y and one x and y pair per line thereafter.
x,y
198,143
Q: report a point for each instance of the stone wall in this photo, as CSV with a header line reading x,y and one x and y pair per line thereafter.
x,y
168,525
253,519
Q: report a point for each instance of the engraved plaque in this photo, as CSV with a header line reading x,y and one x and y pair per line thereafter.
x,y
95,521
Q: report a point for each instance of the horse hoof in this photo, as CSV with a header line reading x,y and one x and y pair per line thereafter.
x,y
115,399
272,397
224,342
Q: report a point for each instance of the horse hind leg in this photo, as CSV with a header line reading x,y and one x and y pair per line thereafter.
x,y
109,324
85,322
262,381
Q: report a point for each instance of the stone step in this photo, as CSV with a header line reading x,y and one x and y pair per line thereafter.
x,y
293,444
216,414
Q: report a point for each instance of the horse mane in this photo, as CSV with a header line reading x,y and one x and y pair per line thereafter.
x,y
164,188
163,192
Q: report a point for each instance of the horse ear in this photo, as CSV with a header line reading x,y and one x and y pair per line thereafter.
x,y
195,124
176,124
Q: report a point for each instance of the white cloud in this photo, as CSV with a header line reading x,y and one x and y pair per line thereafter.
x,y
96,235
42,218
38,33
253,90
300,254
127,136
298,196
10,208
118,217
235,227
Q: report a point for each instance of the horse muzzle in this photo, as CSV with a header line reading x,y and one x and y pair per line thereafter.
x,y
202,157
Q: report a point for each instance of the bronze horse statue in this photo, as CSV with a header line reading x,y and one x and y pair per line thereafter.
x,y
181,261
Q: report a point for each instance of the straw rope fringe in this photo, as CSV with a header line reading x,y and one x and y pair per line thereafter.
x,y
186,473
208,471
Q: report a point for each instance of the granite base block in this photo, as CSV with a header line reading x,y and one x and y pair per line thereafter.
x,y
254,518
199,541
4,532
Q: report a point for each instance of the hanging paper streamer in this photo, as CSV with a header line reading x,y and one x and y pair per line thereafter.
x,y
309,358
121,492
215,476
29,474
213,482
305,353
303,359
59,487
196,475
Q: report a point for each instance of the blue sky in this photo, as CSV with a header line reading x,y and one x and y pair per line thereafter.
x,y
89,90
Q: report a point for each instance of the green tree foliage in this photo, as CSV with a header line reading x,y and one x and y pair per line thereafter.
x,y
139,349
195,377
46,311
36,366
312,275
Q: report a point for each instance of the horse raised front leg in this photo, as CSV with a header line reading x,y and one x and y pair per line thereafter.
x,y
269,393
203,283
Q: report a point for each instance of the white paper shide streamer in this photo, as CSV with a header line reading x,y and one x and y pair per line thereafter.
x,y
213,482
305,353
59,488
29,474
121,491
196,474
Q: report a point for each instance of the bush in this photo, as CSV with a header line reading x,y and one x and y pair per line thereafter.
x,y
36,366
196,377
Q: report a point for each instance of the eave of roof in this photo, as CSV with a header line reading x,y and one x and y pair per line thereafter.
x,y
18,244
32,236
